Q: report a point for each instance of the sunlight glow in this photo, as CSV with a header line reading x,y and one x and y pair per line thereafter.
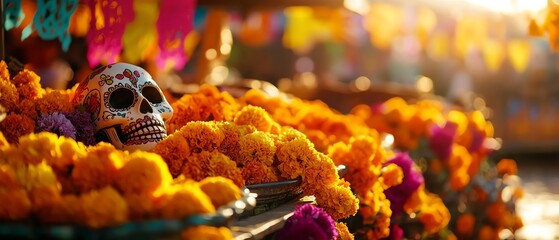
x,y
511,6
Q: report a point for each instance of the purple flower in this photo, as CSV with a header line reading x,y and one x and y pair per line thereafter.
x,y
398,195
441,139
477,140
56,123
84,127
308,222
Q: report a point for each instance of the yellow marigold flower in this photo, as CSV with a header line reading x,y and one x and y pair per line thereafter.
x,y
9,97
15,204
204,232
381,229
209,164
4,73
15,126
33,176
434,215
288,134
459,158
255,116
337,200
54,101
3,141
140,206
396,111
182,200
202,136
465,224
174,149
256,146
38,147
8,178
460,119
70,151
104,207
507,166
255,172
220,190
233,133
98,168
392,175
28,85
343,232
143,172
487,232
358,153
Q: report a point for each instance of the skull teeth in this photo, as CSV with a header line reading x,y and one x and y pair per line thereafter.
x,y
143,139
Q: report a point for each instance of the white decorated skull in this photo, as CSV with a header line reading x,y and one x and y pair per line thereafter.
x,y
127,107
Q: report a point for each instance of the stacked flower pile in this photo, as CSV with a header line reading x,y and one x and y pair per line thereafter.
x,y
385,182
254,149
452,147
58,180
33,109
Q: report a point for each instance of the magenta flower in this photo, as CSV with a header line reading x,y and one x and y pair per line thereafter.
x,y
399,194
441,139
396,233
56,123
308,222
477,140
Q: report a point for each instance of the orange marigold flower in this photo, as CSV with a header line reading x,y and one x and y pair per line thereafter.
x,y
28,85
392,175
459,158
54,101
233,132
98,169
220,190
337,200
66,210
416,200
343,232
27,107
104,207
434,215
140,206
15,204
291,155
204,105
507,166
44,197
3,141
459,179
255,172
318,171
256,146
465,224
257,117
204,232
172,205
495,211
9,97
202,136
144,173
70,151
15,126
8,179
174,149
487,232
210,164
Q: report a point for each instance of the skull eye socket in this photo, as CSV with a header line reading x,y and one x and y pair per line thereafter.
x,y
121,98
152,94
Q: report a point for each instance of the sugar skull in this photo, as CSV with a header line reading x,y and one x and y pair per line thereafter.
x,y
127,107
